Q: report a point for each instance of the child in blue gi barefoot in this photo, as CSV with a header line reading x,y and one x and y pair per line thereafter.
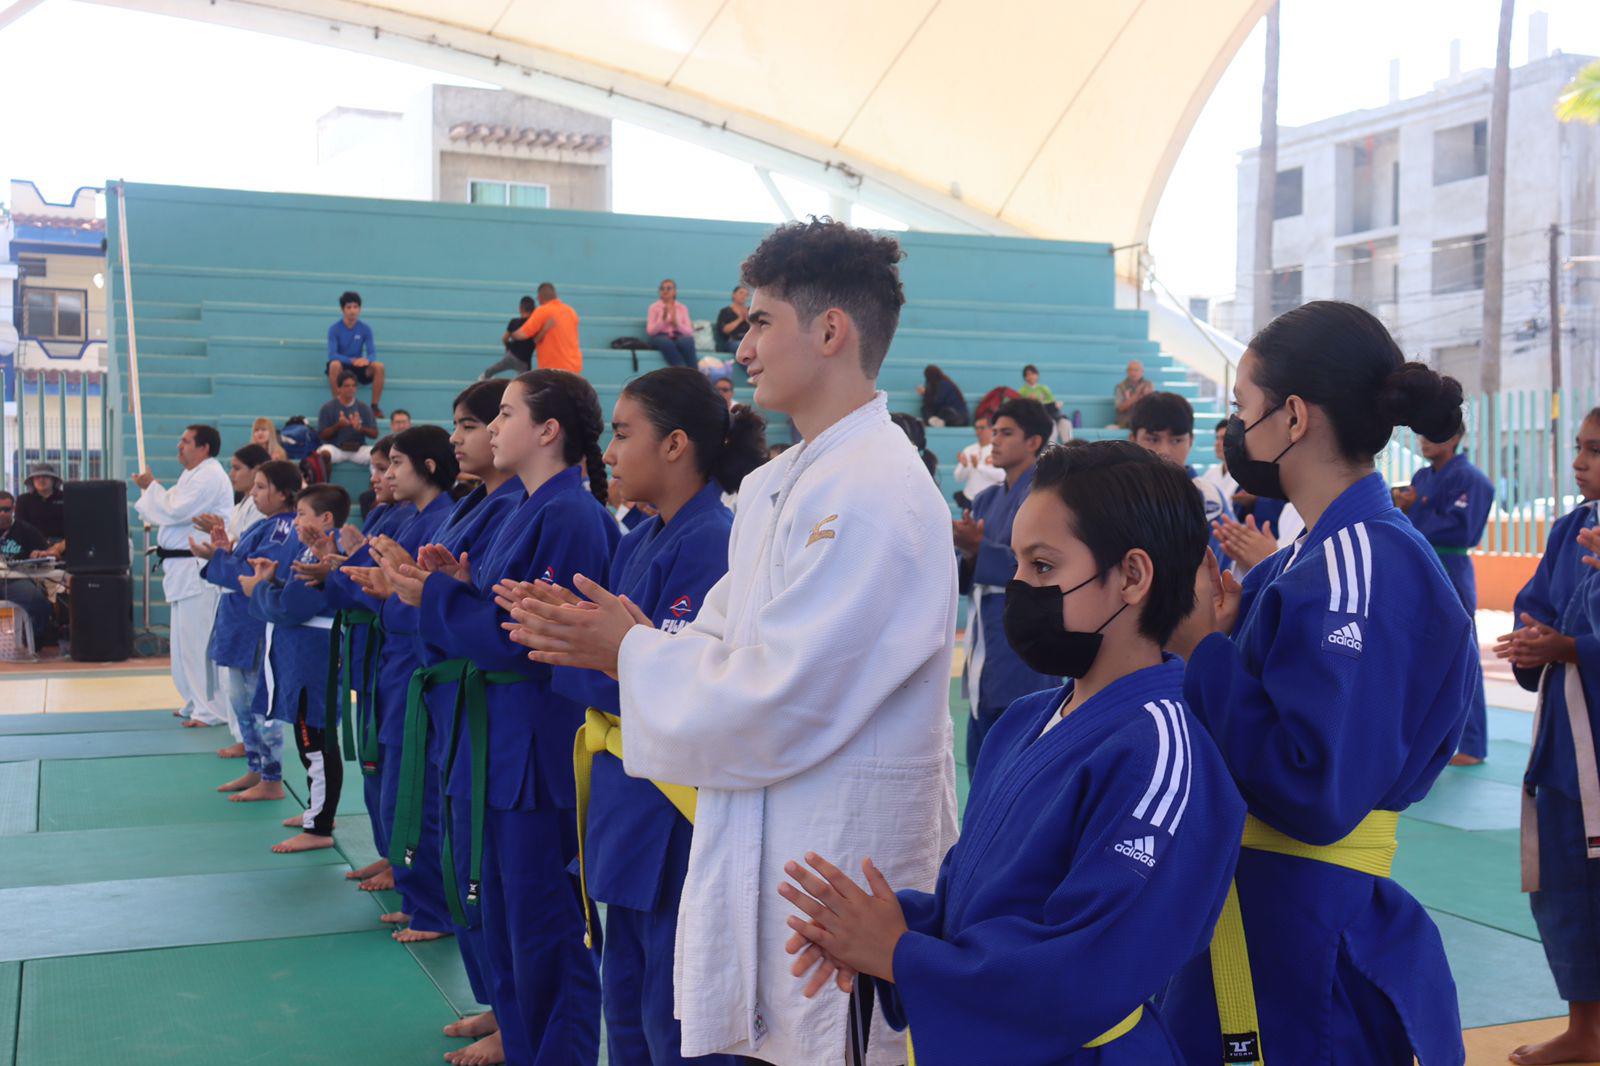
x,y
510,760
1556,652
1102,830
1335,684
357,653
677,448
238,637
422,469
295,668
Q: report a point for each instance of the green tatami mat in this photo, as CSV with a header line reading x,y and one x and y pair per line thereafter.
x,y
116,743
350,802
161,912
1510,725
1500,978
145,790
441,961
1473,875
1466,802
89,722
10,1000
1506,762
356,999
150,851
19,797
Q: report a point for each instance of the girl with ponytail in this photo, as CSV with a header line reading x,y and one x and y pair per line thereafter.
x,y
1336,683
675,446
507,746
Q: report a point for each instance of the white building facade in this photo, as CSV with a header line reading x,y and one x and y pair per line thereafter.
x,y
1387,208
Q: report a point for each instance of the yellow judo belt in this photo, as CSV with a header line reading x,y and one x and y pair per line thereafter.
x,y
1369,849
603,732
1121,1029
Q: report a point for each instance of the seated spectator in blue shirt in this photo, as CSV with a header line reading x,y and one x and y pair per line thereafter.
x,y
345,425
350,350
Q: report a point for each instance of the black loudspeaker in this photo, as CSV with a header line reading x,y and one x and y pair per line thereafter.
x,y
102,617
96,526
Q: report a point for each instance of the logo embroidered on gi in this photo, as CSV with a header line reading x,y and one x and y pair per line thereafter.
x,y
1346,640
681,606
1461,501
1139,843
280,533
1141,849
818,533
549,575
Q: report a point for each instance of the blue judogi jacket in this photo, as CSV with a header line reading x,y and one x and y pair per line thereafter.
x,y
470,527
1093,862
398,657
1563,594
666,570
1342,690
558,531
344,594
1002,676
236,634
1451,511
300,614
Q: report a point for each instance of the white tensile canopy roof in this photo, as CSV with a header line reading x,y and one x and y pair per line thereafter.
x,y
1048,118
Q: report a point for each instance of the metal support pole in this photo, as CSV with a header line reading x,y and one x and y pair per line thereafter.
x,y
127,303
1555,359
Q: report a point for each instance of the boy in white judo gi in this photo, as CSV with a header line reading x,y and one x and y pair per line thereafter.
x,y
809,698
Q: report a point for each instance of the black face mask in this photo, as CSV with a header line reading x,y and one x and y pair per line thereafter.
x,y
1258,477
1036,632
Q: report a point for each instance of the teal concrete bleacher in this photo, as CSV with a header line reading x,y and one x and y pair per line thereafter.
x,y
234,292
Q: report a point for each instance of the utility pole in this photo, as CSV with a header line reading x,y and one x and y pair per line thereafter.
x,y
1555,357
1266,182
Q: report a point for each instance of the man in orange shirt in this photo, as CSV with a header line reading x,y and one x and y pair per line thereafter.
x,y
553,327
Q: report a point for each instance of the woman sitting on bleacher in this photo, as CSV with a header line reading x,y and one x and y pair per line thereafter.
x,y
942,402
670,330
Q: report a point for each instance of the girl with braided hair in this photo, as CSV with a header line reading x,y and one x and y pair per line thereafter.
x,y
508,751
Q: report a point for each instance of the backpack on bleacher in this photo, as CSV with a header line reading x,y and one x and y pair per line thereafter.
x,y
992,400
297,439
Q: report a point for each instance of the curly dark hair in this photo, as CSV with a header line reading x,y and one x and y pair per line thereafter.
x,y
822,263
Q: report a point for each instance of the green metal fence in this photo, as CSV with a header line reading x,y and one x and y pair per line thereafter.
x,y
59,417
1524,443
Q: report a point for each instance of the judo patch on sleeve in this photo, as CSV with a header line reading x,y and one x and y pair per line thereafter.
x,y
1140,845
1343,638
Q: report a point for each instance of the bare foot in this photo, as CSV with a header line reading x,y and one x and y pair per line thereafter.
x,y
302,842
473,1026
190,723
294,821
239,784
264,790
1465,760
412,936
379,882
395,918
369,870
486,1052
232,751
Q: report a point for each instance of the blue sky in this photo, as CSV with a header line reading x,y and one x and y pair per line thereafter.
x,y
95,92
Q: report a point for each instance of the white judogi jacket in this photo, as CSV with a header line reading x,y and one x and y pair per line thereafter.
x,y
809,701
203,490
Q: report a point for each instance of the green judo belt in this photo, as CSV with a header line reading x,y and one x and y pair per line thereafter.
x,y
1445,549
362,741
471,703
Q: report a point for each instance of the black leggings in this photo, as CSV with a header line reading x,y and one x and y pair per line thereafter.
x,y
319,754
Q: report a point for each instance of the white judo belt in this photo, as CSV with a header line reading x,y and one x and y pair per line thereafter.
x,y
973,644
1588,775
321,621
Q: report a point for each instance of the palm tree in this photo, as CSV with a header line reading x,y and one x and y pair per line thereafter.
x,y
1580,100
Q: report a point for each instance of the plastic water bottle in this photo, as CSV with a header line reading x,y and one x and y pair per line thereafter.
x,y
1077,419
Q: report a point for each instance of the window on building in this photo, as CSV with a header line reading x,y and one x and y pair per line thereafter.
x,y
1460,361
1288,195
1460,152
1286,289
32,266
1458,264
508,193
53,314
